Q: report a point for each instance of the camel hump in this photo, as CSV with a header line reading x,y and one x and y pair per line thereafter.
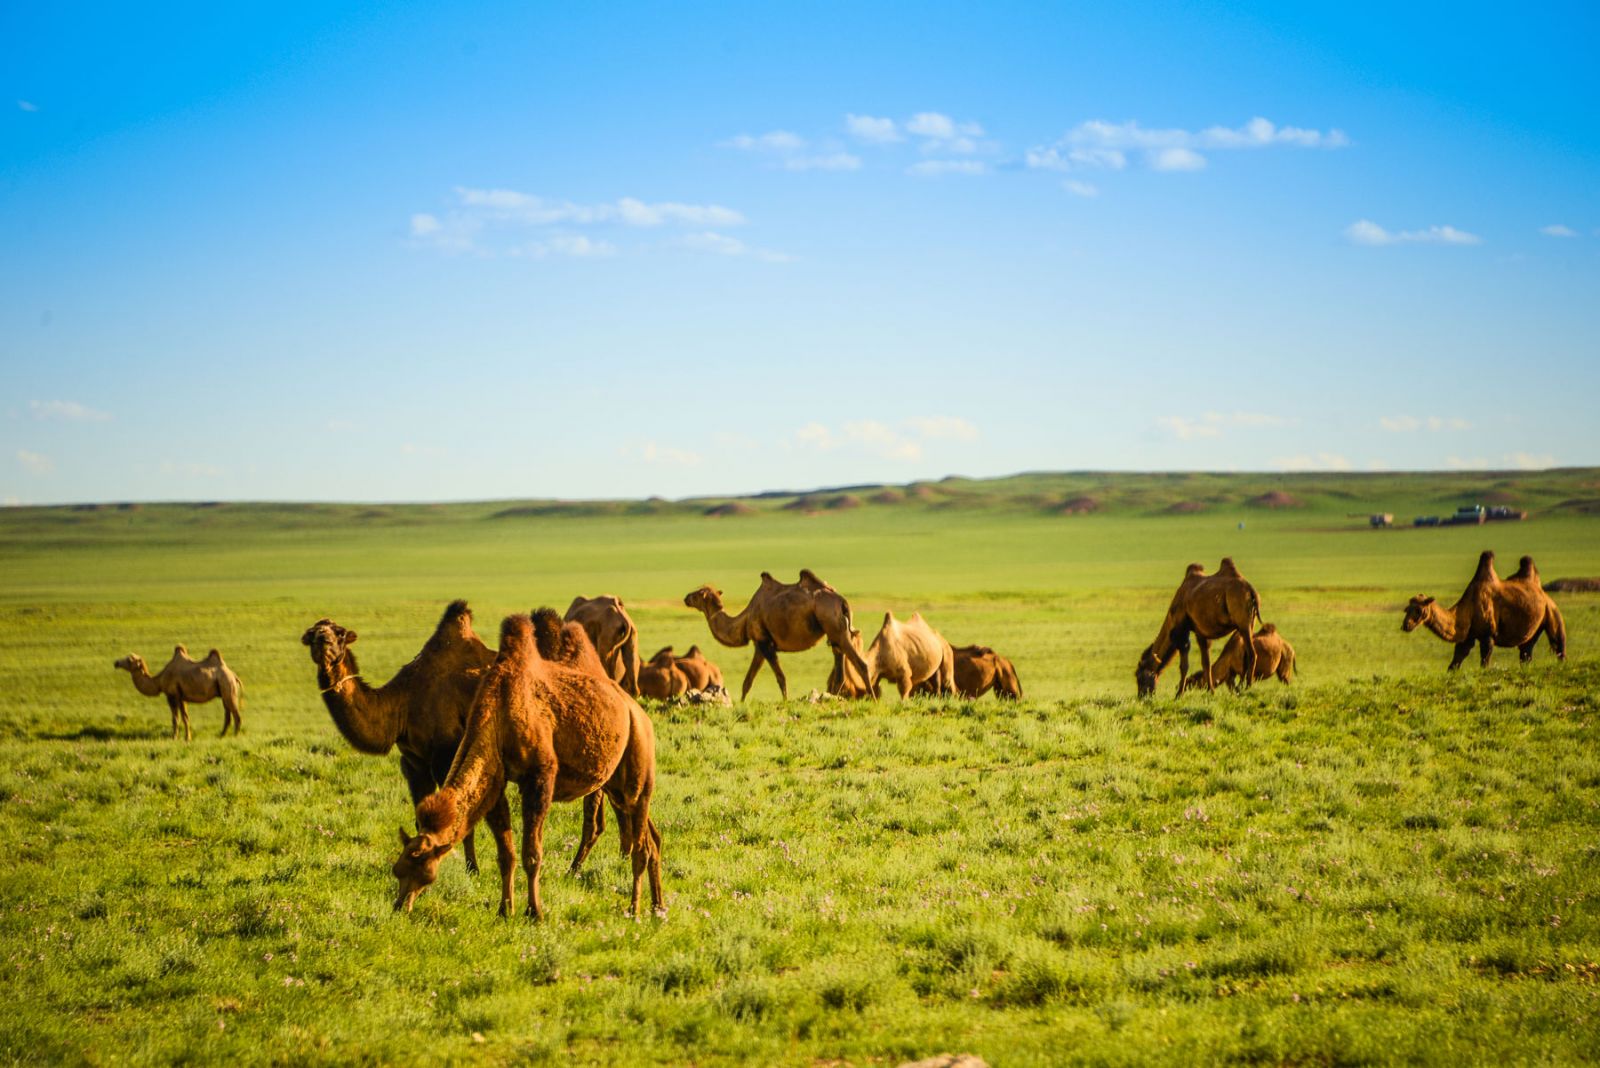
x,y
694,651
1268,628
809,579
547,633
1194,569
180,650
1227,567
516,637
1525,568
215,654
456,610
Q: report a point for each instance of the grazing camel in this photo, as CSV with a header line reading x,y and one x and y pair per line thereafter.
x,y
613,635
1491,611
1274,656
184,680
978,670
1205,607
560,734
661,677
781,617
906,653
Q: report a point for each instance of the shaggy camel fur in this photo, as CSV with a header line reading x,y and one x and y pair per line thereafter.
x,y
661,678
906,653
781,617
184,680
1274,656
978,670
1510,613
560,734
613,635
1205,607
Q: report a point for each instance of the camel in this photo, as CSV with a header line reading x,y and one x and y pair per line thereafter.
x,y
1510,613
978,670
1274,656
1206,607
184,680
906,653
661,678
613,634
701,672
781,617
558,732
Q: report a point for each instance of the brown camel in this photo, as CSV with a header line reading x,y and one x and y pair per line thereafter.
x,y
978,670
1274,656
906,653
661,677
700,671
781,618
613,634
1205,607
560,734
1491,611
184,680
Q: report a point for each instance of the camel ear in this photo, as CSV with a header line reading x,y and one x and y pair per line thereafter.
x,y
405,839
349,637
305,639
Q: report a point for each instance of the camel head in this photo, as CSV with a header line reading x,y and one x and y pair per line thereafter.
x,y
133,664
705,599
1006,683
1416,612
1148,671
328,642
417,866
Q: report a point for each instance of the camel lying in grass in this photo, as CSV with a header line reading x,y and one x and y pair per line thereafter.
x,y
1206,607
908,653
560,733
660,678
980,669
184,680
1491,611
1274,656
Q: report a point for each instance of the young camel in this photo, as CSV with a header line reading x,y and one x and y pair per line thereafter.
x,y
1206,607
1274,656
560,734
781,617
184,680
978,670
613,635
1510,613
661,678
700,671
906,653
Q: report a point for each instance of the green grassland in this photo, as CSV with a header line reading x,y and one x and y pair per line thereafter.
x,y
1381,863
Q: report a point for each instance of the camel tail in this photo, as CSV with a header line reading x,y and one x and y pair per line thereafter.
x,y
547,633
1286,667
1555,631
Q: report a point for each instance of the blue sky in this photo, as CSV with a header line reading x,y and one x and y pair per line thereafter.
x,y
418,252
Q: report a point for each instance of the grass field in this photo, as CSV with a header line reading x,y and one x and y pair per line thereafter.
x,y
1379,864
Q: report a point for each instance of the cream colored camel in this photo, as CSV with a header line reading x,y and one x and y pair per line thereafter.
x,y
1491,611
184,680
560,734
781,617
1205,607
906,653
613,634
1274,656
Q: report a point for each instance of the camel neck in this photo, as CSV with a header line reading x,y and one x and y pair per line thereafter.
x,y
145,683
370,720
477,775
728,630
1443,623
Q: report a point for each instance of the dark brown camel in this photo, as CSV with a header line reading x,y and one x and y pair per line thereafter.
x,y
1205,607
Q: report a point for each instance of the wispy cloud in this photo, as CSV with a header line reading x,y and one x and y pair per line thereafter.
x,y
68,411
905,442
1558,230
35,462
652,452
577,246
1318,461
1214,424
27,105
1176,159
1367,232
723,245
934,167
1406,424
1101,145
1529,461
792,152
872,130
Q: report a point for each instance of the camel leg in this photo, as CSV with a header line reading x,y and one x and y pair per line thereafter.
x,y
1485,649
771,653
594,824
903,684
1463,650
657,902
1205,664
858,661
183,710
172,706
538,793
505,853
750,676
1183,667
646,859
1248,672
1525,650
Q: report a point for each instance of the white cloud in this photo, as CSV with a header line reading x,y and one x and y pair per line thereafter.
x,y
929,167
941,133
1558,230
1176,159
652,452
788,151
484,222
832,161
775,141
27,105
723,245
1082,189
951,427
70,411
1405,424
638,213
425,225
1367,232
873,131
35,463
879,439
1321,461
577,246
1527,461
1213,424
932,124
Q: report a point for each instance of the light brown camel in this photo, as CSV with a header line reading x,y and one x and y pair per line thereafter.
x,y
184,680
613,634
1205,607
906,653
560,734
1274,656
781,618
700,671
978,670
661,678
1491,611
